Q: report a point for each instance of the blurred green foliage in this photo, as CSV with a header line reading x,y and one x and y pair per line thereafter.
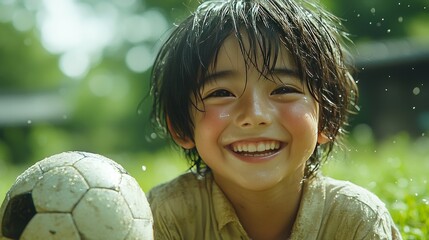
x,y
24,63
103,113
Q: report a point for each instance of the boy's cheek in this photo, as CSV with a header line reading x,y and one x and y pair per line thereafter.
x,y
213,115
300,117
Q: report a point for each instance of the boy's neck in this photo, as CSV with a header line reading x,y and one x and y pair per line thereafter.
x,y
267,214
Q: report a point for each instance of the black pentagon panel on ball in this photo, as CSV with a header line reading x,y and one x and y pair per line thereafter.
x,y
19,211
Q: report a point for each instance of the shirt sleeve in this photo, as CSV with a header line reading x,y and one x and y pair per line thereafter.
x,y
163,224
382,227
353,212
358,220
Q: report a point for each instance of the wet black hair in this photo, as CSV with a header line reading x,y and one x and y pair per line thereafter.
x,y
312,35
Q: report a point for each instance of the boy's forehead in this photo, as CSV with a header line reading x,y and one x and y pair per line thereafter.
x,y
230,54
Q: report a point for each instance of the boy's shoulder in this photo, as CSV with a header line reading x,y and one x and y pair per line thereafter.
x,y
337,209
183,188
345,193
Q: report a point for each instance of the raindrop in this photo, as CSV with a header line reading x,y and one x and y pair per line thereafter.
x,y
385,89
358,15
372,10
399,3
29,122
416,91
153,135
144,168
400,19
425,201
414,108
388,30
363,68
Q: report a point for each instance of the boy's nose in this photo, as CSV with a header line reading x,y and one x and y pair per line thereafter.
x,y
254,111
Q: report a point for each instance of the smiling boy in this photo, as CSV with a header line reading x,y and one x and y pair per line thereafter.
x,y
256,93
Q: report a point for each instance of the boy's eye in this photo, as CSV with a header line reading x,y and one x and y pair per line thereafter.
x,y
285,90
220,93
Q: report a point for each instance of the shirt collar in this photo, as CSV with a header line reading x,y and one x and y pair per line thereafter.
x,y
223,209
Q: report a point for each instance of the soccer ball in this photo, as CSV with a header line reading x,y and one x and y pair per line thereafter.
x,y
75,195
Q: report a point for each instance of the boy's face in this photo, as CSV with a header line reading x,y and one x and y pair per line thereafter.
x,y
256,134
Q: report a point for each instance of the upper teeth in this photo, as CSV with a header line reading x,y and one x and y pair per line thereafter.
x,y
256,147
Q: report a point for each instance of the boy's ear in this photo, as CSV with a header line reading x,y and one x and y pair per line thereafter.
x,y
184,142
322,138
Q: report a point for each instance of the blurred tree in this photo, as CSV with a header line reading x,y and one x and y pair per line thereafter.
x,y
105,99
382,19
25,64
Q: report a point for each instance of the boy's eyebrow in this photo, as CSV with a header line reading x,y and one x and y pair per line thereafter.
x,y
217,74
276,71
284,71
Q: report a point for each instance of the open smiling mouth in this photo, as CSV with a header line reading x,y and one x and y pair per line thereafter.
x,y
256,149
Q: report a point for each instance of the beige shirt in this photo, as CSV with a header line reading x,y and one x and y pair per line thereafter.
x,y
191,207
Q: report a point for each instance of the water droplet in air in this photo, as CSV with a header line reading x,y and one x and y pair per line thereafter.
x,y
153,135
414,108
144,168
400,19
29,122
388,30
372,10
416,91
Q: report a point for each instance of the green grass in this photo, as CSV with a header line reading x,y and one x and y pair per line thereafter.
x,y
395,170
